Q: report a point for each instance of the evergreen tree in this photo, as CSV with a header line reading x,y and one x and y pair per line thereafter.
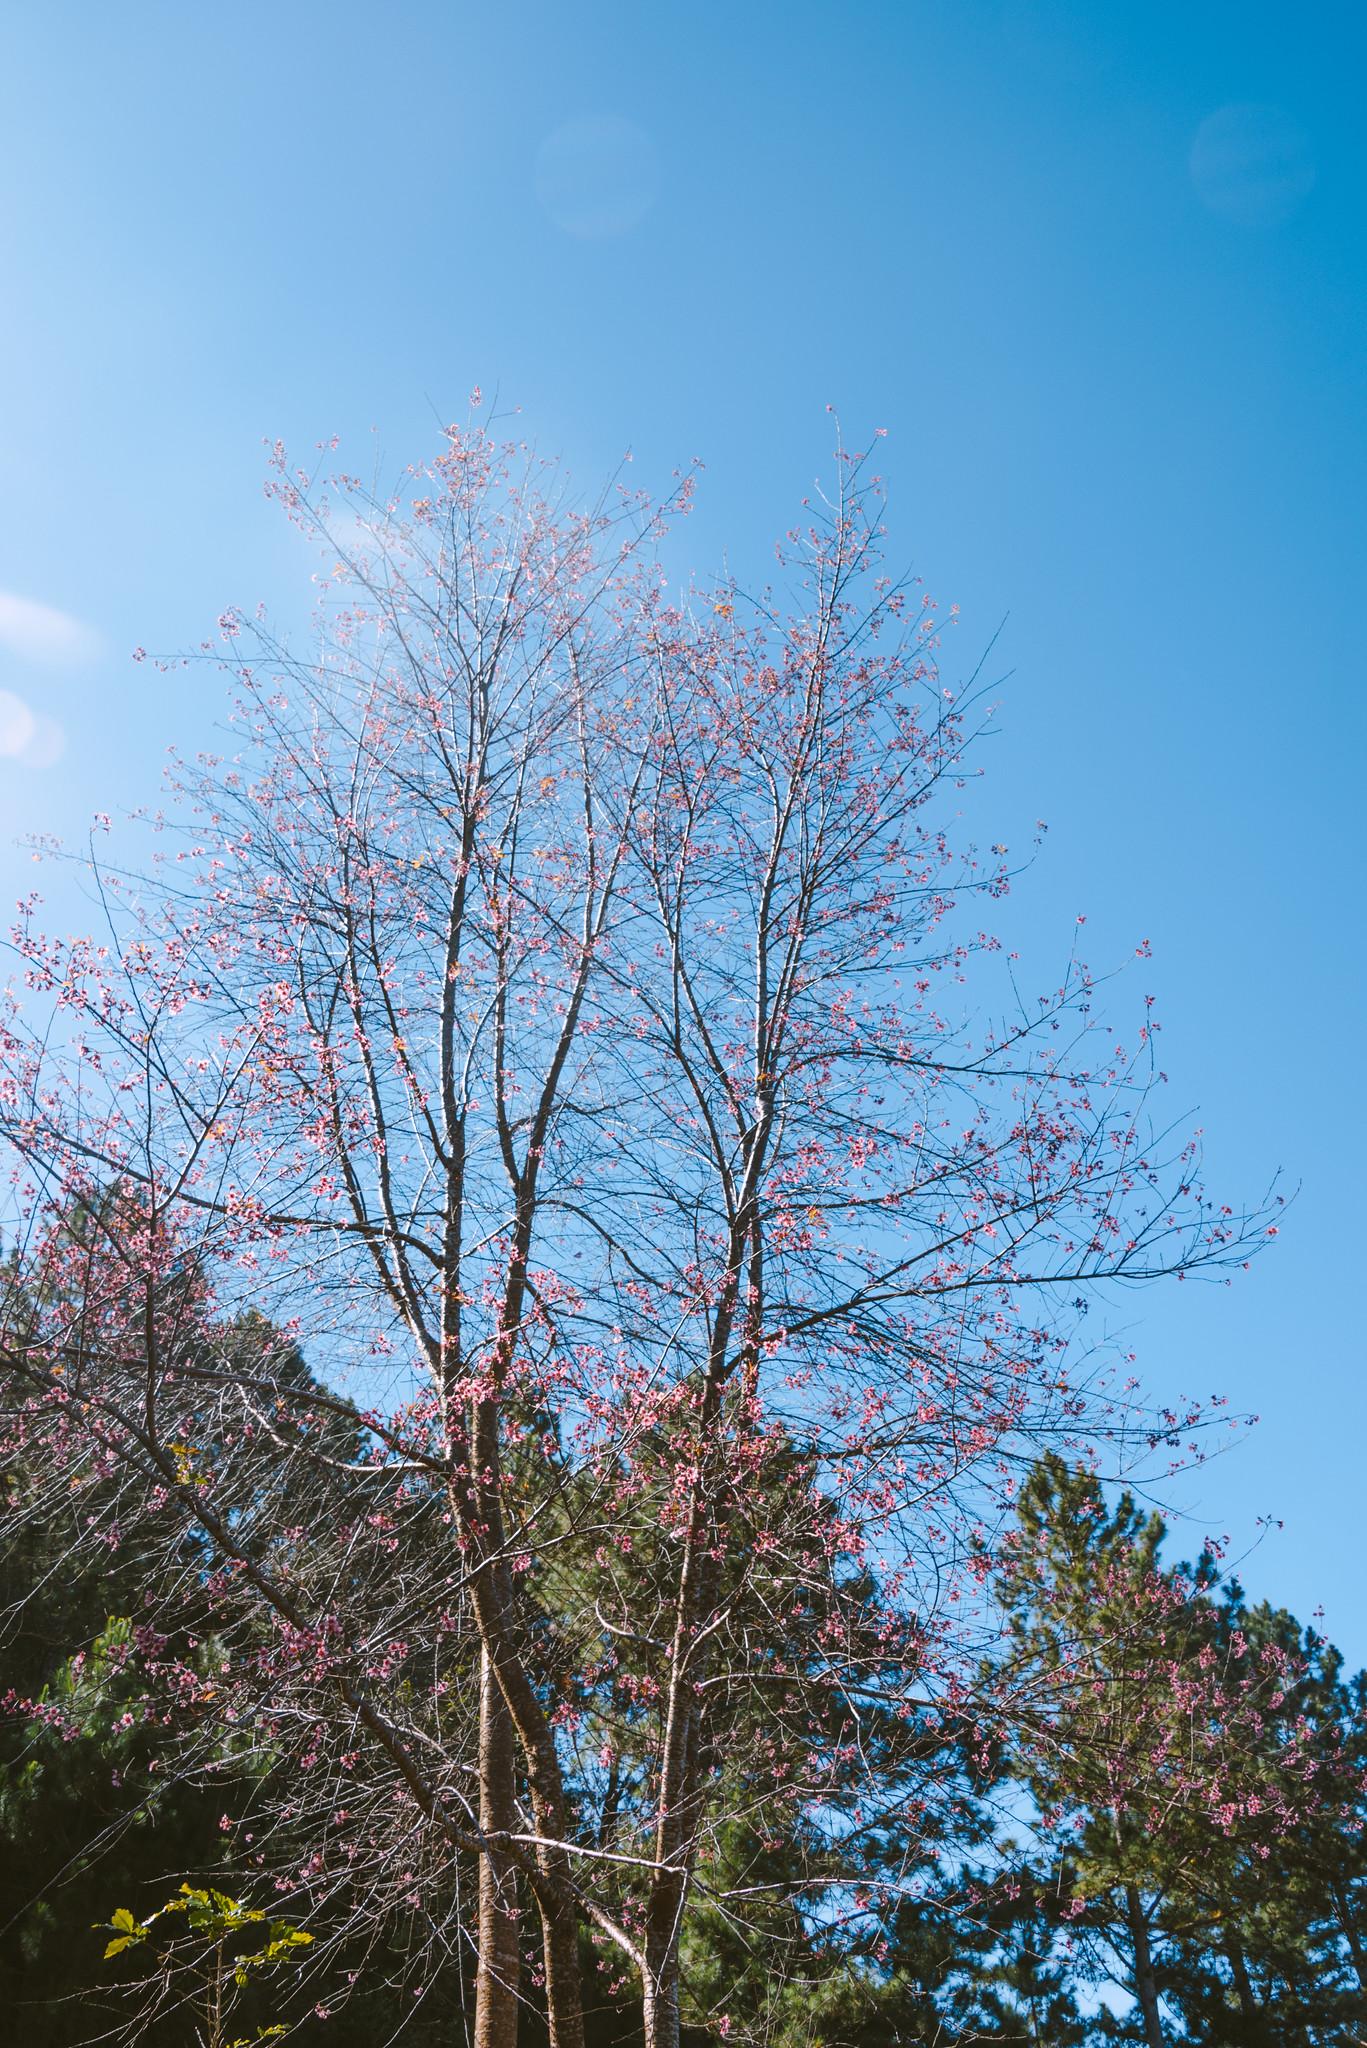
x,y
1197,1765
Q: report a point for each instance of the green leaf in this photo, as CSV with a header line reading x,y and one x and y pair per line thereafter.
x,y
290,1937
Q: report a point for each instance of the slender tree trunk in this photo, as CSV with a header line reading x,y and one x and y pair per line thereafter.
x,y
682,1760
481,1513
497,1970
664,1915
661,1988
564,1991
1145,1983
521,1712
681,1797
1249,2010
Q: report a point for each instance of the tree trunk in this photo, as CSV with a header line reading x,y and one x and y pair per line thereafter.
x,y
493,1600
660,1984
1243,1986
496,1976
564,1992
1145,1983
554,1890
680,1796
675,1842
681,1790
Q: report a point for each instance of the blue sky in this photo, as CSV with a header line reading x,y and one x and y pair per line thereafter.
x,y
1096,267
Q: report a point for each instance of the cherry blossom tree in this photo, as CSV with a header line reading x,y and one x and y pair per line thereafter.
x,y
562,1016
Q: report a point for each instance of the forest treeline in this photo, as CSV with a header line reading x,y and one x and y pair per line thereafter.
x,y
1026,1903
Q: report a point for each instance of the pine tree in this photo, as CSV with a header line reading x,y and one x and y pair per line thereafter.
x,y
1198,1766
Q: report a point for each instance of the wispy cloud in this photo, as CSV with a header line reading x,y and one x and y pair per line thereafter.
x,y
28,736
38,636
40,633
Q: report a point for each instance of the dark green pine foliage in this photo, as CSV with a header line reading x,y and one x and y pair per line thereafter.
x,y
88,1821
1255,1934
99,1809
1271,1948
1200,1765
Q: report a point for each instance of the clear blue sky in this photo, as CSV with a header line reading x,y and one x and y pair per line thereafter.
x,y
1114,328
